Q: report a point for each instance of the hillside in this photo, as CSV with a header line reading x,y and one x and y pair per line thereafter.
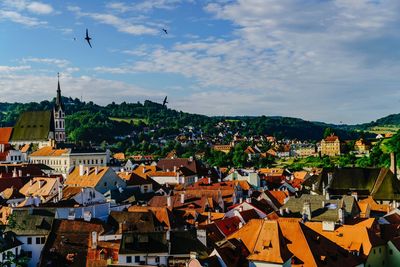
x,y
388,124
89,122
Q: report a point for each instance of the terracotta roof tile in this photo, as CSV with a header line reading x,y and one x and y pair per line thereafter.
x,y
5,134
48,151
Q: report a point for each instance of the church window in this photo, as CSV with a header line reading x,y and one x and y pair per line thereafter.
x,y
56,125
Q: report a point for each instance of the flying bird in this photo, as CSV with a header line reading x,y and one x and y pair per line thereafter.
x,y
87,38
165,101
164,30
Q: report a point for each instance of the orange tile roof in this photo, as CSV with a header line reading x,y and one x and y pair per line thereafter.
x,y
41,186
91,180
119,156
25,148
280,196
309,246
5,134
331,138
264,240
301,175
144,170
374,205
49,151
351,237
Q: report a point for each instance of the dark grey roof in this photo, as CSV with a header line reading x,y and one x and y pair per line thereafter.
x,y
321,208
33,221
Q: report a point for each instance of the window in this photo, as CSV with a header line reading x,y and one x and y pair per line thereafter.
x,y
105,184
157,259
29,240
37,240
137,258
128,259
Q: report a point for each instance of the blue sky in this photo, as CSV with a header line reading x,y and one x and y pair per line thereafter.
x,y
320,60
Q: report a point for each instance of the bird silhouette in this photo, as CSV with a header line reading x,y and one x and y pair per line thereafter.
x,y
87,38
165,101
164,30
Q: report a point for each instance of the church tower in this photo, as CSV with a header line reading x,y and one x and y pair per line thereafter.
x,y
59,116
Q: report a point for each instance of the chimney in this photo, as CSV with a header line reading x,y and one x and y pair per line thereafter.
x,y
393,164
209,180
209,217
19,173
60,192
1,148
355,195
190,158
14,173
240,225
196,179
87,171
144,169
240,200
81,170
40,183
94,240
96,170
183,198
31,182
169,202
306,210
174,168
281,211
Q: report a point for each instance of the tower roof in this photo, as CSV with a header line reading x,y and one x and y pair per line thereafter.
x,y
59,104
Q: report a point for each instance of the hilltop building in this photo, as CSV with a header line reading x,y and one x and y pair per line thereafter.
x,y
42,128
330,146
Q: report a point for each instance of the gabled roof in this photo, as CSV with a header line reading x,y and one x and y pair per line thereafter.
x,y
350,237
39,186
87,180
228,226
312,249
5,134
264,240
374,205
33,126
142,221
69,239
32,221
163,215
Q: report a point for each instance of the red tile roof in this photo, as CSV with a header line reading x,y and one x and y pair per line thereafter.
x,y
228,225
5,134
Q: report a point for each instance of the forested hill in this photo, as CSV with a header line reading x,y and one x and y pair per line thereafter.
x,y
87,121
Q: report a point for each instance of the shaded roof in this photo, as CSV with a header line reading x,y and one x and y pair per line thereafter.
x,y
142,221
378,182
228,226
184,242
312,249
357,237
5,134
69,237
169,164
143,242
233,252
321,209
163,215
33,126
32,221
8,241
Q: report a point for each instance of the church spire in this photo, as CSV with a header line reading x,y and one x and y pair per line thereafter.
x,y
59,103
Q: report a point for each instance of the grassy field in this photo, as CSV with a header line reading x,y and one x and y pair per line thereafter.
x,y
384,129
136,121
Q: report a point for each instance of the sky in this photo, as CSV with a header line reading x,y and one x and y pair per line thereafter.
x,y
335,61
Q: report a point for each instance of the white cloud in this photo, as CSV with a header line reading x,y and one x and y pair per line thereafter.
x,y
40,87
19,18
61,63
14,68
39,8
121,24
145,6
